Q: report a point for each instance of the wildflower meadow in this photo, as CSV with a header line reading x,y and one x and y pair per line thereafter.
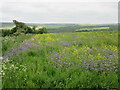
x,y
61,60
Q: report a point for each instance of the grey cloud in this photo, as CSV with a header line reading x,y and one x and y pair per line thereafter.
x,y
81,12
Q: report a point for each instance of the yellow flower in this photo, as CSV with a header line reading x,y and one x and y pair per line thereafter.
x,y
49,39
99,56
75,51
87,48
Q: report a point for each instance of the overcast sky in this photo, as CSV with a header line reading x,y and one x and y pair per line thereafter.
x,y
61,11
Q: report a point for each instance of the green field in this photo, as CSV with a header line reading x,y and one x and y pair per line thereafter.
x,y
61,60
98,28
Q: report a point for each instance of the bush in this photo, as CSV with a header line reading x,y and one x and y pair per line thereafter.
x,y
41,30
33,28
13,30
21,28
29,30
6,33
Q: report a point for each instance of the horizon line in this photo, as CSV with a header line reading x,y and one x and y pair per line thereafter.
x,y
58,22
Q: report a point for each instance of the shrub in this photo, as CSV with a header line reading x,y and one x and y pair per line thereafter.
x,y
6,33
42,30
13,30
28,30
21,28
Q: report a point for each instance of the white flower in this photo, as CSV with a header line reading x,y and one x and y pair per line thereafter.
x,y
1,58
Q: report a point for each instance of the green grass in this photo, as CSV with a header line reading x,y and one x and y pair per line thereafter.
x,y
98,28
63,60
9,42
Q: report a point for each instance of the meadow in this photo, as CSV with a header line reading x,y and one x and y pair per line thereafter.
x,y
61,60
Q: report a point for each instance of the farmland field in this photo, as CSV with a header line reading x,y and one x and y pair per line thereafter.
x,y
61,60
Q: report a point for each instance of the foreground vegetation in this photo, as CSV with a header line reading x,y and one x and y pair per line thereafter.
x,y
61,60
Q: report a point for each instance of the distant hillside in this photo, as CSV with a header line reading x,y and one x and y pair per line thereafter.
x,y
56,27
6,24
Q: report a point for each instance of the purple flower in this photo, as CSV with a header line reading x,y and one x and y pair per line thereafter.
x,y
65,43
101,64
94,64
24,46
99,69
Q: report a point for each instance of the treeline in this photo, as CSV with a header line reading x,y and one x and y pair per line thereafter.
x,y
21,28
14,32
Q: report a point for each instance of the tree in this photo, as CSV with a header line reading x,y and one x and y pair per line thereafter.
x,y
21,28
